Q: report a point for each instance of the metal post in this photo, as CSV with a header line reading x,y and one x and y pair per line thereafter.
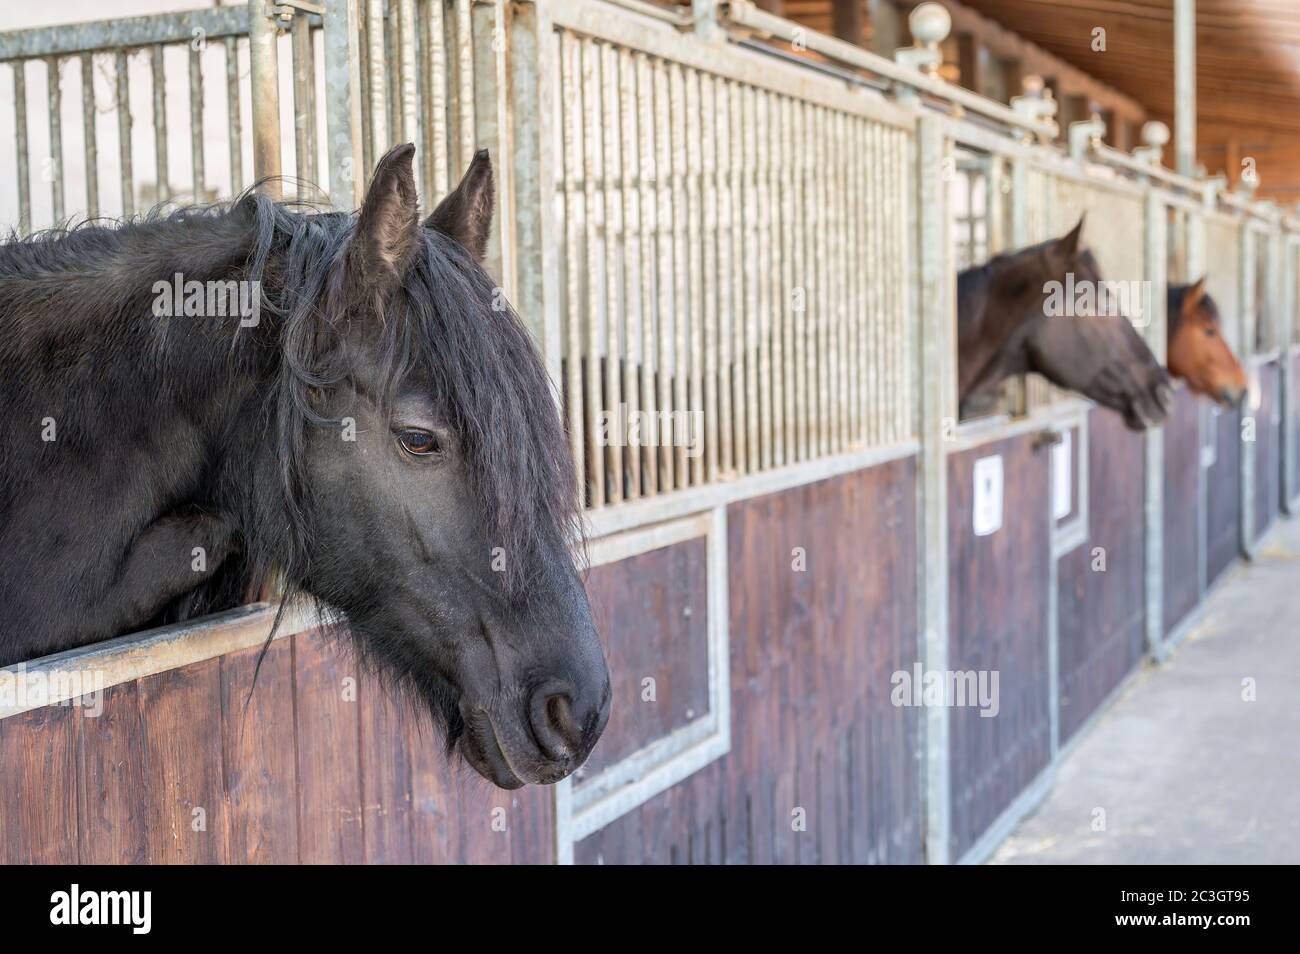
x,y
1246,324
1154,255
264,69
343,103
1286,339
935,350
1185,85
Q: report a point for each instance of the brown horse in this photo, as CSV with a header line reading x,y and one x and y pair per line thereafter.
x,y
1198,352
1012,318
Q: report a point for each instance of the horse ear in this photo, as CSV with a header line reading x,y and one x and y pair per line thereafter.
x,y
466,213
388,226
1068,245
1194,294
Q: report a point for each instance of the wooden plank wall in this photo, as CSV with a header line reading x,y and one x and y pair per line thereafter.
x,y
1182,527
1223,494
812,655
1101,598
317,765
998,615
1268,420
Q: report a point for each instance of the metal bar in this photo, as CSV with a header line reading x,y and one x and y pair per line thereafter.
x,y
1185,85
376,77
264,69
681,315
597,317
304,107
571,105
343,103
88,134
664,256
695,240
409,75
55,171
629,153
615,316
934,351
1154,254
649,225
20,137
122,33
726,302
124,134
436,142
160,123
196,125
234,119
465,81
710,276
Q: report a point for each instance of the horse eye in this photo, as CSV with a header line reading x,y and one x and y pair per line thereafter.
x,y
419,443
1210,332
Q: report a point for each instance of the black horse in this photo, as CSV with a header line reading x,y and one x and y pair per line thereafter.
x,y
377,432
1006,325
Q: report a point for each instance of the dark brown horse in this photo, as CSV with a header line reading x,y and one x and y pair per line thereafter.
x,y
1012,318
1198,352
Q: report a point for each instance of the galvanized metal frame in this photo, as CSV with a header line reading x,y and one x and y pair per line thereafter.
x,y
584,806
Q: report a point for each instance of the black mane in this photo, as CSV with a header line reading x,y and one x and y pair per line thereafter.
x,y
76,324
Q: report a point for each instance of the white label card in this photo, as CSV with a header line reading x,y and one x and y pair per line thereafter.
x,y
987,512
1062,476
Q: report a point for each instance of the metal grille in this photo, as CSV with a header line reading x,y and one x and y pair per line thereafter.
x,y
103,113
734,275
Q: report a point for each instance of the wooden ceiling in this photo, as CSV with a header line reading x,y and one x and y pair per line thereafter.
x,y
1248,71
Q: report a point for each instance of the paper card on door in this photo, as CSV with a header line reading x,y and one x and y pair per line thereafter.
x,y
987,516
1062,477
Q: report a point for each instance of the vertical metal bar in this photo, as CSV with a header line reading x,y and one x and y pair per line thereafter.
x,y
571,104
597,316
749,213
343,102
409,75
664,319
304,106
852,276
264,69
615,246
785,189
710,276
20,136
726,302
802,252
55,94
234,119
681,315
878,198
435,117
649,228
88,134
124,134
196,124
632,294
695,432
377,78
761,162
1185,86
160,123
934,349
465,81
1246,312
1155,219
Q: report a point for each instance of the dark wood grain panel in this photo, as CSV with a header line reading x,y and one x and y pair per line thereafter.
x,y
812,655
1102,599
1223,493
1182,525
998,616
330,825
38,803
111,796
180,720
652,613
260,755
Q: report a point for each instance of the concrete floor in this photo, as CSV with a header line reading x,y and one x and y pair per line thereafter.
x,y
1184,768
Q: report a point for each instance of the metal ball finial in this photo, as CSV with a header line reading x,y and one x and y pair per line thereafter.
x,y
930,23
1155,133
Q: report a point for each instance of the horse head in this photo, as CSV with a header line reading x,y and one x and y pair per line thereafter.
x,y
1198,352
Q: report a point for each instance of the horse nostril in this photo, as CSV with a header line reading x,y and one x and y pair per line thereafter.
x,y
567,723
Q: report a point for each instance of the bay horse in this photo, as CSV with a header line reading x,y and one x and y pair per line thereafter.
x,y
1197,351
1005,327
382,437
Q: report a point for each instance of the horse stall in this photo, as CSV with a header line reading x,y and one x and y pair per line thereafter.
x,y
739,265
